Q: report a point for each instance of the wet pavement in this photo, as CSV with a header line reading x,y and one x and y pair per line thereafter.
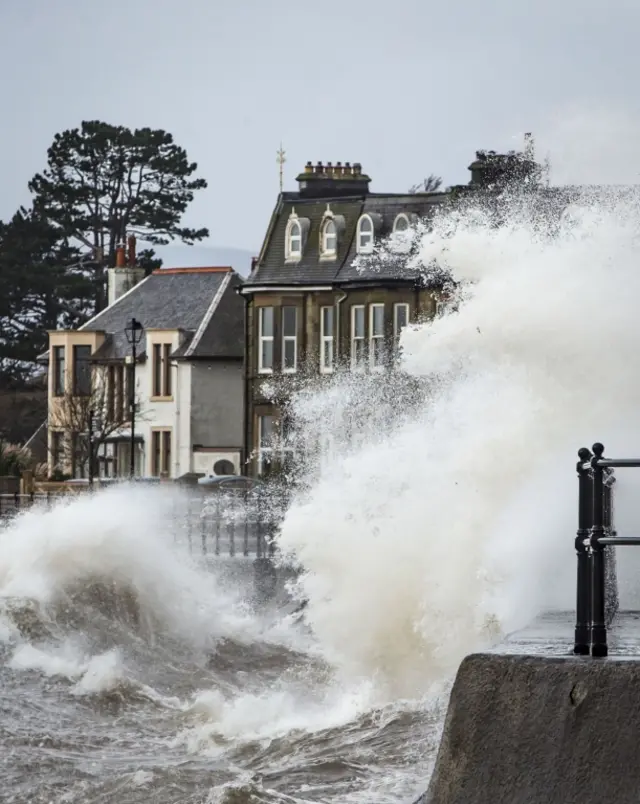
x,y
552,635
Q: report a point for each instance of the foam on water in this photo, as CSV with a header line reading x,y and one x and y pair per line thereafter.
x,y
122,539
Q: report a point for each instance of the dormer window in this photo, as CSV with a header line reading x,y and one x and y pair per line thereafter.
x,y
293,245
401,223
365,235
328,239
400,239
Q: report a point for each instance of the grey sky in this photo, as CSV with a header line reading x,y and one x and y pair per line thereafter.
x,y
406,89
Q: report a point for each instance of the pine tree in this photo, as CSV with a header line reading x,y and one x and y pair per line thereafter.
x,y
104,182
42,287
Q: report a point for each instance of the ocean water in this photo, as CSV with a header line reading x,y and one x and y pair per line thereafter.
x,y
437,518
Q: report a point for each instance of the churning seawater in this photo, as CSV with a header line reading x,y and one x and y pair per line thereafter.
x,y
437,519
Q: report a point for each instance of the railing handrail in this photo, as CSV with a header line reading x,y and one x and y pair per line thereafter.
x,y
597,588
248,532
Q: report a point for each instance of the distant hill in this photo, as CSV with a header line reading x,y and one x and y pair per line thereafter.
x,y
181,256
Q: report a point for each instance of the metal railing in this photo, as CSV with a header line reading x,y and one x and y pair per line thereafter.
x,y
12,504
216,525
231,526
597,600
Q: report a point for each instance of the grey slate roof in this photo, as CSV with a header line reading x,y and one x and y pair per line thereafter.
x,y
311,269
181,299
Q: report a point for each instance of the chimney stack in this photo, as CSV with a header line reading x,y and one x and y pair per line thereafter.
x,y
124,275
329,180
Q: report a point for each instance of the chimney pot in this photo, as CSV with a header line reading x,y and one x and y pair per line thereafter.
x,y
131,251
120,257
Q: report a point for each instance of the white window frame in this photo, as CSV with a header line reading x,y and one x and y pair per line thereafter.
x,y
373,338
325,251
401,217
290,252
368,247
396,307
262,451
355,365
262,369
401,239
290,339
327,341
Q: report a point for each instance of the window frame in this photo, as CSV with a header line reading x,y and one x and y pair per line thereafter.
x,y
167,389
57,450
161,451
374,338
325,251
396,329
366,249
81,364
289,339
161,379
262,450
110,379
327,341
59,370
262,369
121,401
290,253
156,370
358,362
401,216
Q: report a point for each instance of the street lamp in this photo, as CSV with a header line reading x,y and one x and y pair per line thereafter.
x,y
134,335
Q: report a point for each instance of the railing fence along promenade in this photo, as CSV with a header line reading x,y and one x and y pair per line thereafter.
x,y
597,583
226,525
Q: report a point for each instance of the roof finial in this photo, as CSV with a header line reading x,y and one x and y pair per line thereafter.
x,y
281,160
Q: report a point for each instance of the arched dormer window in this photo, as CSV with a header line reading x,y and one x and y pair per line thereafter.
x,y
401,223
364,243
293,240
401,236
328,239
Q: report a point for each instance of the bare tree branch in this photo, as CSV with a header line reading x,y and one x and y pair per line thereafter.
x,y
429,185
88,420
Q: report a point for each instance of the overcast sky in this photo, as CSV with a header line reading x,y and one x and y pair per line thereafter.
x,y
404,88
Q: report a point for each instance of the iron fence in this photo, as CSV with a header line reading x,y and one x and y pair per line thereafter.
x,y
597,599
227,525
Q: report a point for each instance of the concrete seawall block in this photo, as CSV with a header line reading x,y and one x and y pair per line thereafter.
x,y
540,730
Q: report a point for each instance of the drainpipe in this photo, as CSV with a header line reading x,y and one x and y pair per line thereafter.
x,y
248,401
178,441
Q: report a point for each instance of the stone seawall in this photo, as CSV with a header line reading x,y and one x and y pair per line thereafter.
x,y
540,730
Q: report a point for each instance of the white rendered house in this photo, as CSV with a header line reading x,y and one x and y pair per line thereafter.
x,y
188,377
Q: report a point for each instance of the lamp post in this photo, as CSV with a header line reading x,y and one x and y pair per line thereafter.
x,y
134,335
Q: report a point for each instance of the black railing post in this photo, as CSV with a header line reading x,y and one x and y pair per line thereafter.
x,y
583,594
598,614
610,568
